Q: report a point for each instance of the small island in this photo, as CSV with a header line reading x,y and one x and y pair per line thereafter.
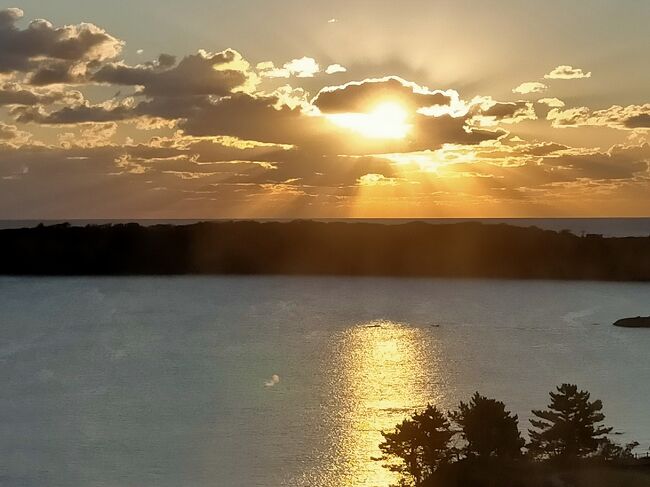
x,y
637,322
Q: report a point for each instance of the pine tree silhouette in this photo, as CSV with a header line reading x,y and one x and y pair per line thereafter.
x,y
569,429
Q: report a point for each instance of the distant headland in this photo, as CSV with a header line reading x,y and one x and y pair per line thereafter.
x,y
636,322
323,248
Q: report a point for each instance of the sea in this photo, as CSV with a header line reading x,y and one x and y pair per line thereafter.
x,y
269,381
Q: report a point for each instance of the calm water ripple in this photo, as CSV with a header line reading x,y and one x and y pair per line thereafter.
x,y
278,381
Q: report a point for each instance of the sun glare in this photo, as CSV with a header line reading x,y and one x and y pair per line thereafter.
x,y
388,120
383,376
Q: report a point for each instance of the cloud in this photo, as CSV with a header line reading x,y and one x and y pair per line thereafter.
x,y
374,179
267,69
551,102
433,132
248,117
618,117
208,134
16,94
11,134
76,114
567,72
537,167
168,60
288,118
360,96
200,176
304,67
335,68
487,112
638,121
619,162
530,87
571,117
90,135
262,118
169,172
203,73
51,54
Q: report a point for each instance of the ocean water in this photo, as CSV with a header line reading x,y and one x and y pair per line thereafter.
x,y
287,381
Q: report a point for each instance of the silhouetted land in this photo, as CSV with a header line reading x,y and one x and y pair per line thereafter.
x,y
480,445
635,473
305,247
637,322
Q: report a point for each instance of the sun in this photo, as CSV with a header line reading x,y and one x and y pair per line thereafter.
x,y
387,120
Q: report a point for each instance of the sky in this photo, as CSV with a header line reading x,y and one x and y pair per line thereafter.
x,y
298,109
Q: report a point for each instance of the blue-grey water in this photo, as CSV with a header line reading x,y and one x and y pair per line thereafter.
x,y
286,381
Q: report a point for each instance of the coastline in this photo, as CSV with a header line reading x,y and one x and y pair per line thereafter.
x,y
417,249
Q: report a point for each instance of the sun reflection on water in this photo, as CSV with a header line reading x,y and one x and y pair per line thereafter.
x,y
385,373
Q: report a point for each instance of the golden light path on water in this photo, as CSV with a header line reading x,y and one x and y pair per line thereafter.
x,y
386,370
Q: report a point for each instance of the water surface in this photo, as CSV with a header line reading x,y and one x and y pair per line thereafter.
x,y
286,381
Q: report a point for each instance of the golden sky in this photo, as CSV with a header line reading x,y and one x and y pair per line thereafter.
x,y
292,112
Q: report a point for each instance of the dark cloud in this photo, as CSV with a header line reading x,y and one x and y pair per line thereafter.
x,y
58,72
250,117
56,54
15,94
638,121
198,74
78,114
166,60
264,118
259,118
487,111
8,132
559,166
501,110
361,96
432,132
620,162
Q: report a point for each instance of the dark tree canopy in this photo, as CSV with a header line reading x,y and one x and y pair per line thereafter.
x,y
423,448
418,446
489,430
612,451
466,249
569,428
